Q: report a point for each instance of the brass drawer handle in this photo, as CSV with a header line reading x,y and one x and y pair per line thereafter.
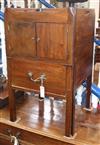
x,y
14,138
38,79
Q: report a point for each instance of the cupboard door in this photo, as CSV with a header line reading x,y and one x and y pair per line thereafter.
x,y
51,41
21,40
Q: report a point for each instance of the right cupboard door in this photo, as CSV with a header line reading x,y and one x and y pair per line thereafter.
x,y
51,41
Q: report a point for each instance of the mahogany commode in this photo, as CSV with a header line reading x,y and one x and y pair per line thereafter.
x,y
55,44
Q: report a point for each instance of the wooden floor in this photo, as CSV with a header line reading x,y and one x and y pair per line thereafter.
x,y
52,121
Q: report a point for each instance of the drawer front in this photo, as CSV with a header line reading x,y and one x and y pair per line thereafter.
x,y
4,141
55,75
28,138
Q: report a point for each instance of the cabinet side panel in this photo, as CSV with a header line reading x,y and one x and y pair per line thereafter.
x,y
84,44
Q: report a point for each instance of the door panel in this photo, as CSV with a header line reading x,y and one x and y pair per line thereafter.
x,y
52,41
21,40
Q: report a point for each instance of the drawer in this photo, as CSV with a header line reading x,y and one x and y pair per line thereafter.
x,y
27,137
6,140
55,75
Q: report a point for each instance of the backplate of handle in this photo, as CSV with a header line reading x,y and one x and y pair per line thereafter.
x,y
38,79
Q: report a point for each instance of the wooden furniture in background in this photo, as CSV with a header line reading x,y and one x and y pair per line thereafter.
x,y
57,43
97,49
3,96
97,53
26,3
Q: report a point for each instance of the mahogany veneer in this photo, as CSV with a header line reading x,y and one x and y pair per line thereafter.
x,y
3,96
54,42
97,54
97,49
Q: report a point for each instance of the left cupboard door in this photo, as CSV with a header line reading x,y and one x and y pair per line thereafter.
x,y
21,39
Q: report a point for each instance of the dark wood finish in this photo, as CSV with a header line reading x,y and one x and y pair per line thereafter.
x,y
24,31
97,54
4,141
98,31
55,77
3,96
30,137
88,105
26,3
49,42
99,14
85,66
51,47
